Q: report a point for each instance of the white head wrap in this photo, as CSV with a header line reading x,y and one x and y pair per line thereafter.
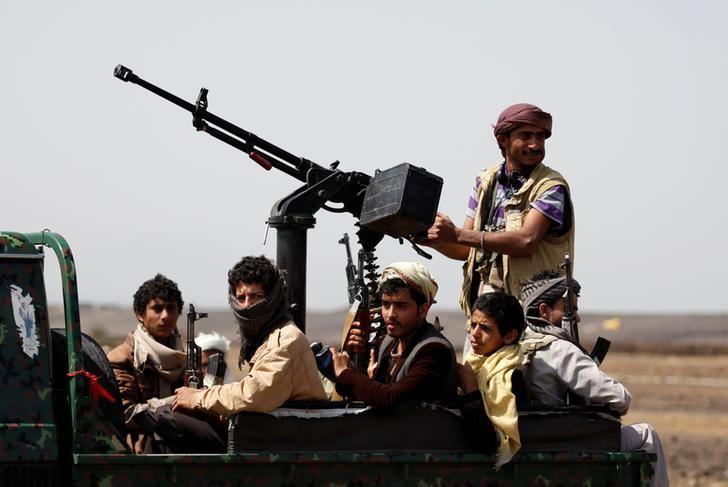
x,y
414,274
213,341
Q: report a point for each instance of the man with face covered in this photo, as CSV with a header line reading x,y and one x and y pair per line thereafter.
x,y
282,367
415,360
555,365
519,219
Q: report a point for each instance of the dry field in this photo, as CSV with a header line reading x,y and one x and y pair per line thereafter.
x,y
685,397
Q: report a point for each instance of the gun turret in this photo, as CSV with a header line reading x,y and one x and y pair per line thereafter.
x,y
395,208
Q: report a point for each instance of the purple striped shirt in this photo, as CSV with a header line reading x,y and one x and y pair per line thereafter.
x,y
551,203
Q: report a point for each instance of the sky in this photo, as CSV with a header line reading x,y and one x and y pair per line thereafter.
x,y
636,89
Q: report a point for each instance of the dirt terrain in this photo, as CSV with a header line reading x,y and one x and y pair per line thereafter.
x,y
675,367
685,397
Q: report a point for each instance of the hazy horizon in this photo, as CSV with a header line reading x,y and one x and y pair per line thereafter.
x,y
636,89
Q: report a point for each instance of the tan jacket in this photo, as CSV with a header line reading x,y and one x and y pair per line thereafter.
x,y
511,273
283,369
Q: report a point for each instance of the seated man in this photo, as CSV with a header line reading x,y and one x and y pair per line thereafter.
x,y
211,344
282,367
415,360
555,365
149,366
487,375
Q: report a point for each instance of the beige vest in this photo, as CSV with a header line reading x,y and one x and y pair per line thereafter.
x,y
532,341
511,273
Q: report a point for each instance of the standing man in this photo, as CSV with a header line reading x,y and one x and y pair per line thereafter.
x,y
556,365
149,366
282,366
415,360
519,219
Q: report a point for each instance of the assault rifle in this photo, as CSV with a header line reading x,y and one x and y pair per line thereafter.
x,y
601,347
351,283
362,286
389,203
193,371
569,319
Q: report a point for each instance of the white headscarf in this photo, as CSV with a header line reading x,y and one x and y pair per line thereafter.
x,y
414,274
213,341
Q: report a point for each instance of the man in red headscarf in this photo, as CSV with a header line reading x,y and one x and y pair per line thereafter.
x,y
520,218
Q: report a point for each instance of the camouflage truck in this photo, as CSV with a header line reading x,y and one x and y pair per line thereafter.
x,y
60,416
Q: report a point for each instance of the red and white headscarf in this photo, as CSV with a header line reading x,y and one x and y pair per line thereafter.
x,y
522,113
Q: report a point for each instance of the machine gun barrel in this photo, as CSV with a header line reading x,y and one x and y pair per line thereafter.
x,y
389,211
260,150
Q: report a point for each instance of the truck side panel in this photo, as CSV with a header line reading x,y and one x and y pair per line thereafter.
x,y
27,429
595,469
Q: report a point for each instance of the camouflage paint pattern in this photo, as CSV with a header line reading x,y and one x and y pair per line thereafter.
x,y
386,468
27,425
91,432
27,422
30,453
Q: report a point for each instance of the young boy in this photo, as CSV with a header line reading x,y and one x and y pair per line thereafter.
x,y
486,377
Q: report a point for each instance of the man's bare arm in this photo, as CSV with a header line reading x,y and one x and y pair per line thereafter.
x,y
455,242
448,248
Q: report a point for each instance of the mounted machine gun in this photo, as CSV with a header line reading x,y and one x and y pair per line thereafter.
x,y
390,203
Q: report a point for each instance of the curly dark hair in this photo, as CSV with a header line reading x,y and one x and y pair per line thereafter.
x,y
504,309
158,287
252,270
391,286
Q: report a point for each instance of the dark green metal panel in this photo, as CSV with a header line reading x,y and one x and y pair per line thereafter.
x,y
29,451
27,429
370,468
91,432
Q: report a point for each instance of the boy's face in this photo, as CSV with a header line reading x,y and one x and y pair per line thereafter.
x,y
160,318
484,335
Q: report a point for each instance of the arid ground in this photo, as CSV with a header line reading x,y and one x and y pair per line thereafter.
x,y
686,398
675,366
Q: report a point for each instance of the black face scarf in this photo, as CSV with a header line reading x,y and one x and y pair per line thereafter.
x,y
256,322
